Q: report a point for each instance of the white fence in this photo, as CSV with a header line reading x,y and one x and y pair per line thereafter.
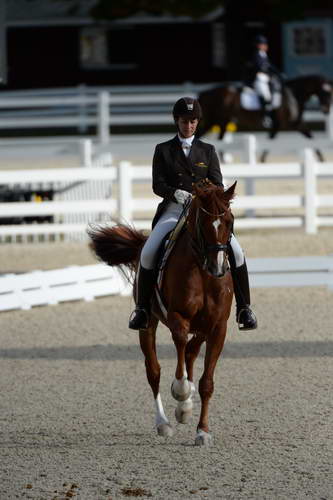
x,y
98,207
83,107
119,199
309,171
39,288
291,271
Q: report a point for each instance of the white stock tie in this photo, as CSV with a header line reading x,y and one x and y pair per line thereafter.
x,y
186,148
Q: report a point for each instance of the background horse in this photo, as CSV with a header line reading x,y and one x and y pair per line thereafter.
x,y
199,304
221,105
302,89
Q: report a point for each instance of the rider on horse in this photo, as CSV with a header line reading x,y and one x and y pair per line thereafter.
x,y
177,165
260,73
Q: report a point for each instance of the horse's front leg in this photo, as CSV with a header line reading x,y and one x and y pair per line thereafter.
x,y
184,409
215,342
180,388
153,371
301,126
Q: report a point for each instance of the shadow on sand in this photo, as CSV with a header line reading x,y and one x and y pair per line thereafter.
x,y
118,352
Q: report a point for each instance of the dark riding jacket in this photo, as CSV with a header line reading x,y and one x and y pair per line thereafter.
x,y
173,170
260,64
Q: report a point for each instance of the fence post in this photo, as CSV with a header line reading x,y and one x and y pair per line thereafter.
x,y
82,109
85,146
103,117
251,159
329,123
310,191
188,89
125,191
330,272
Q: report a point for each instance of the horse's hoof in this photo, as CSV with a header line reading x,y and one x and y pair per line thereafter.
x,y
164,430
184,392
183,416
203,438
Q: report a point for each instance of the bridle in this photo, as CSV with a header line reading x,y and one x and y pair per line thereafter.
x,y
202,248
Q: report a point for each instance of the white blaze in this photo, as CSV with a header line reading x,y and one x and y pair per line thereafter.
x,y
220,260
216,225
220,253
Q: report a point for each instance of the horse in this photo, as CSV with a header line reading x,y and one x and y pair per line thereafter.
x,y
221,105
302,89
197,292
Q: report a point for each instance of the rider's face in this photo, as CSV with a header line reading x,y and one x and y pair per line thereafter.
x,y
263,46
186,126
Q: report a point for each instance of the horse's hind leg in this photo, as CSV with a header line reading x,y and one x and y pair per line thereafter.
x,y
264,155
320,155
214,347
184,409
153,371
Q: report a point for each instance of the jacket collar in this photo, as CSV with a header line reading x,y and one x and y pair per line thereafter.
x,y
188,140
176,143
178,151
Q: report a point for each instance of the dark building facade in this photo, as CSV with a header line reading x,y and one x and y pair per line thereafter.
x,y
115,54
69,51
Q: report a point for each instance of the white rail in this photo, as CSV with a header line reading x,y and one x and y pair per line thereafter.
x,y
309,171
83,107
121,202
23,291
39,288
291,271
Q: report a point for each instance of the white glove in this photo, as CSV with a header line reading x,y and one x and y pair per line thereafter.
x,y
182,196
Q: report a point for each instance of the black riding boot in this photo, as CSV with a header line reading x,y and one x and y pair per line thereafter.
x,y
139,318
267,121
245,317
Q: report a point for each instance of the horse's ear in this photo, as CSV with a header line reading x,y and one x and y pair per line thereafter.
x,y
230,192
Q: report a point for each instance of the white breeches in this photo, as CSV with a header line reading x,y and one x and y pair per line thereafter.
x,y
166,223
237,251
261,86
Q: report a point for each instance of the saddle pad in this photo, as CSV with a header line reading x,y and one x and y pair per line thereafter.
x,y
250,101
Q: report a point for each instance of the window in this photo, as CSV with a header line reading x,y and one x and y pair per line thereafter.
x,y
93,48
105,48
309,40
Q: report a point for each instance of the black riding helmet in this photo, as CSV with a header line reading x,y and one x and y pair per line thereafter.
x,y
260,39
187,106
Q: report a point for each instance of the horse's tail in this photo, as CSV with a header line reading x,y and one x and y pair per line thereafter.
x,y
118,245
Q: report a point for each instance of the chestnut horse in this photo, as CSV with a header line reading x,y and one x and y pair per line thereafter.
x,y
197,292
